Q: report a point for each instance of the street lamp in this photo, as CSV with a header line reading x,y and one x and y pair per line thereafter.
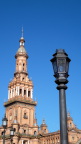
x,y
11,134
60,62
4,124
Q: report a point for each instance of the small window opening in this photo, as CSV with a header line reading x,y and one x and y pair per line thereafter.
x,y
44,130
14,129
28,93
25,116
73,138
35,133
2,133
25,131
23,66
24,142
20,91
23,79
24,92
70,124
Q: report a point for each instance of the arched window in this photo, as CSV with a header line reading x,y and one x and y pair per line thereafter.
x,y
24,131
20,92
23,78
23,66
25,115
24,92
70,124
25,142
28,93
35,133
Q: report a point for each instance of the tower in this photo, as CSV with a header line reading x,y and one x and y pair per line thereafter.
x,y
20,107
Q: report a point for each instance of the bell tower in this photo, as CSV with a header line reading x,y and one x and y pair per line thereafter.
x,y
20,107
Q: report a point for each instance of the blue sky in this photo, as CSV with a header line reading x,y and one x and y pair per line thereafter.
x,y
48,25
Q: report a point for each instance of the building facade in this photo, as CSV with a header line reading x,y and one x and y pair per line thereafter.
x,y
20,110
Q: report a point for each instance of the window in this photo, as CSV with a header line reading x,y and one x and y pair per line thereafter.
x,y
73,138
35,133
24,92
22,78
14,129
25,116
25,131
25,142
20,92
28,93
70,124
23,66
44,130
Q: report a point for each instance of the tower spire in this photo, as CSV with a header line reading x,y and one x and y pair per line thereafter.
x,y
22,41
22,32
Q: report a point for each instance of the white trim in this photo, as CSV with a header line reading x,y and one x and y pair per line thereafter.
x,y
11,93
27,92
18,90
8,94
22,91
22,141
31,93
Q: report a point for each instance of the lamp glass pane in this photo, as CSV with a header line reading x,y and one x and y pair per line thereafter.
x,y
4,122
67,67
54,63
61,65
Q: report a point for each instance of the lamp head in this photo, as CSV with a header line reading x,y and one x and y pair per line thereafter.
x,y
60,62
4,122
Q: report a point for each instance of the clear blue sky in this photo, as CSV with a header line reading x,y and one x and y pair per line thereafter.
x,y
48,25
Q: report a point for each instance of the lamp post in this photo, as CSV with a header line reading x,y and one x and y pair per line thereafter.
x,y
11,134
4,124
60,62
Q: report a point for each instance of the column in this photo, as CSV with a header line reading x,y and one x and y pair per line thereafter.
x,y
31,93
28,141
27,92
18,90
8,94
22,91
14,92
11,93
22,141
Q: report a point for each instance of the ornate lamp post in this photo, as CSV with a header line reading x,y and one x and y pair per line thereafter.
x,y
4,124
11,134
60,62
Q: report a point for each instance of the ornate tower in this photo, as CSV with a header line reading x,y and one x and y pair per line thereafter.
x,y
20,107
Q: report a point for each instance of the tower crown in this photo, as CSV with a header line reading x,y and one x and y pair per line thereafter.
x,y
21,50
